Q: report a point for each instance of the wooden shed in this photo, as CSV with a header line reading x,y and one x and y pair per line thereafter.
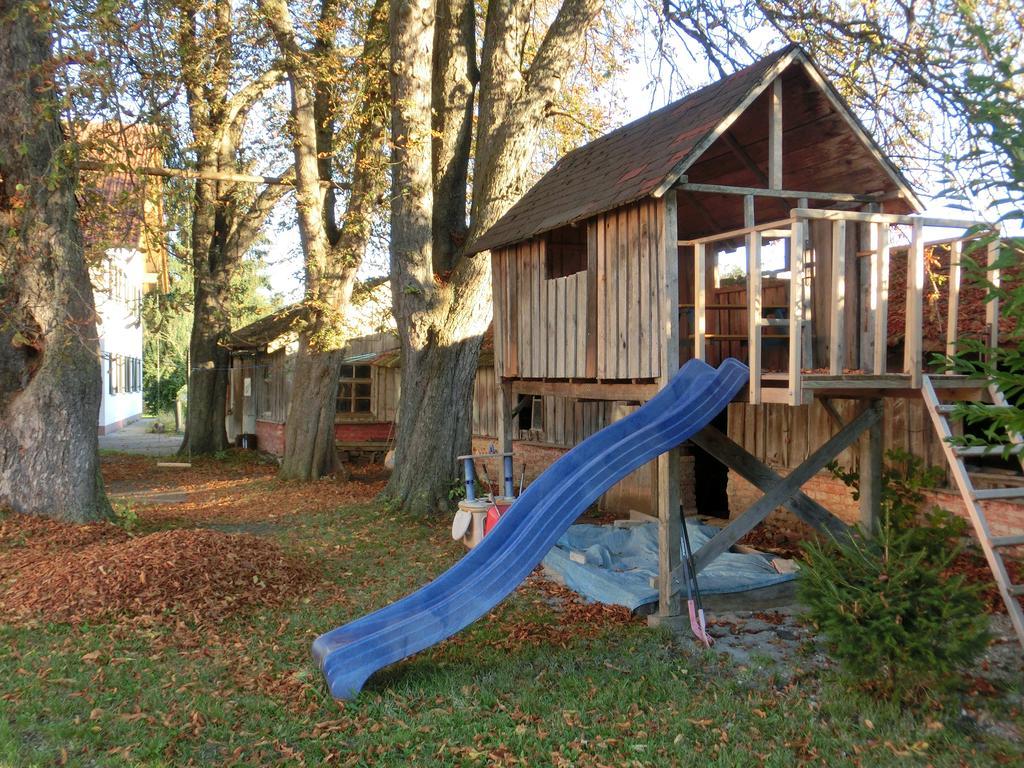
x,y
755,218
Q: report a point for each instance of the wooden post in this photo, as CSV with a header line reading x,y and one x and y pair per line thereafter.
x,y
871,449
669,523
837,327
700,315
796,310
775,136
753,301
505,415
880,286
807,306
912,357
992,306
955,254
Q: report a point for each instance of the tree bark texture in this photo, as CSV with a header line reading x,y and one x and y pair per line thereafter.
x,y
332,254
226,217
49,355
442,298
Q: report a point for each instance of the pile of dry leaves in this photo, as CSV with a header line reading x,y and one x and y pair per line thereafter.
x,y
77,573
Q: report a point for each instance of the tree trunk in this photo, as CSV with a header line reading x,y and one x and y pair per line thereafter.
x,y
223,229
332,255
205,430
49,355
443,300
309,434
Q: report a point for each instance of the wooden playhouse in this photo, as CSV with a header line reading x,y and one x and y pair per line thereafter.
x,y
756,218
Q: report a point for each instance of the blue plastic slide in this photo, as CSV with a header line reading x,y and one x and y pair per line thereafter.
x,y
490,572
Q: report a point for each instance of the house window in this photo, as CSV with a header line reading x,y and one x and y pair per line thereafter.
x,y
354,389
112,374
565,252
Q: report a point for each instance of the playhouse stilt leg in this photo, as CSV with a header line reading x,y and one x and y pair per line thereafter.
x,y
871,450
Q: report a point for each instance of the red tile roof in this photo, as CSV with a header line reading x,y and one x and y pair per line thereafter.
x,y
627,164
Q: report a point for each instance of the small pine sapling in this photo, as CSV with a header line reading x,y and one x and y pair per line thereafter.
x,y
894,615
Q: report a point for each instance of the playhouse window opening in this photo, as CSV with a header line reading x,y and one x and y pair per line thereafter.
x,y
565,252
354,389
531,413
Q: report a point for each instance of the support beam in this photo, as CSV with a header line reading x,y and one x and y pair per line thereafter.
x,y
585,390
837,326
992,305
796,311
884,218
775,136
914,317
871,455
785,488
700,312
753,302
669,521
795,194
880,283
955,254
764,478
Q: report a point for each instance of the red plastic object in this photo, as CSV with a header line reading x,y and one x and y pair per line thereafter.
x,y
494,515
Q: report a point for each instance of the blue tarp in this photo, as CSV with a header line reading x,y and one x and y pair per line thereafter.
x,y
620,563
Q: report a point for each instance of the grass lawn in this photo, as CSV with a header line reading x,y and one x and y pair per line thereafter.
x,y
541,681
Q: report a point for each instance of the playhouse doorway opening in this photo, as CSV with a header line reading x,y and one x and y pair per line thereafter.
x,y
711,477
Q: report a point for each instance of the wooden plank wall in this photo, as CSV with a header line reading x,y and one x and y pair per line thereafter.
x,y
385,383
628,241
539,323
783,436
485,403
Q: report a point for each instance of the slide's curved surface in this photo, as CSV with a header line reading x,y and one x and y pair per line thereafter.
x,y
489,572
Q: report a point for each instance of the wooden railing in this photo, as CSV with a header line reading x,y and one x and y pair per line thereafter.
x,y
796,229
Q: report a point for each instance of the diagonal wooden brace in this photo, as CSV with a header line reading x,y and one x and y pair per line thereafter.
x,y
784,489
763,477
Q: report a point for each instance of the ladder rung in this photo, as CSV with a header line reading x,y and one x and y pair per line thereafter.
x,y
1015,589
1007,541
984,494
988,450
950,407
957,382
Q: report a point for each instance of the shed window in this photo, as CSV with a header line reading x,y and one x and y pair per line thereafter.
x,y
354,389
565,252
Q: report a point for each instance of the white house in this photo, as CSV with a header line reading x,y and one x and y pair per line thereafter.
x,y
122,226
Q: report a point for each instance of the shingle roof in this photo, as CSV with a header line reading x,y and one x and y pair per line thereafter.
x,y
627,164
268,328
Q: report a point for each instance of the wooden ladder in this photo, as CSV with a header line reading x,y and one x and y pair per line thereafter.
x,y
975,498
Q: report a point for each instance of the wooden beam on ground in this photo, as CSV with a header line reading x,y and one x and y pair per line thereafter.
x,y
785,488
764,478
955,254
775,136
837,326
871,457
914,317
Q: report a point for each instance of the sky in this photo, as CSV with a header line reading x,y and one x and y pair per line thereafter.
x,y
636,93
